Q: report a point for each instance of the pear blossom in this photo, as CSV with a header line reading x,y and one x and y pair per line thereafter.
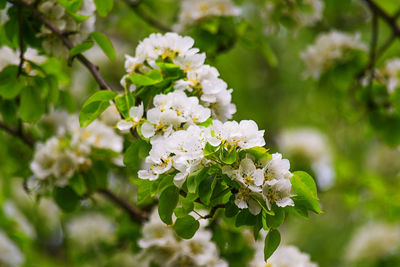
x,y
161,245
276,169
330,48
249,175
135,116
57,15
373,241
390,74
171,111
193,11
10,57
304,13
244,134
313,146
278,192
200,80
244,200
10,254
284,256
90,229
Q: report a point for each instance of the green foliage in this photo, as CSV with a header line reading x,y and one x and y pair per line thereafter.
x,y
150,78
306,191
186,226
66,198
272,241
94,106
167,203
103,7
104,43
80,48
31,106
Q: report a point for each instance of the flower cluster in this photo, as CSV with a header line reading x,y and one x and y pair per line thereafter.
x,y
388,75
193,11
284,256
10,254
313,146
56,160
77,30
160,245
270,178
330,49
372,242
11,57
302,13
198,79
183,124
90,230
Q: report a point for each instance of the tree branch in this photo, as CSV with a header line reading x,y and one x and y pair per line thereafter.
x,y
391,21
136,214
146,17
17,132
213,210
67,42
21,41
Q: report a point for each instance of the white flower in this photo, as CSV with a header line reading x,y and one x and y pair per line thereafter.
x,y
11,57
13,213
244,134
278,192
194,10
284,256
135,115
90,230
57,15
10,254
372,242
329,49
304,13
390,74
249,175
110,116
244,200
171,111
276,169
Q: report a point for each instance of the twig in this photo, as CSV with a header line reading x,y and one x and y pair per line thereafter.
x,y
213,210
67,42
372,52
146,17
17,132
391,21
134,212
21,41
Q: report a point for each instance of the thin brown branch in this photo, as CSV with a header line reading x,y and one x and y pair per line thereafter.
x,y
213,210
135,6
21,41
136,214
17,132
66,41
372,52
391,21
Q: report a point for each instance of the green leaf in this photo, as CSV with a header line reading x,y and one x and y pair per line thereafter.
x,y
66,198
80,48
274,221
259,153
10,85
170,70
228,157
245,218
31,107
104,43
124,102
194,179
305,188
209,149
167,203
186,226
94,106
77,183
71,5
230,208
136,152
272,241
206,189
104,7
150,78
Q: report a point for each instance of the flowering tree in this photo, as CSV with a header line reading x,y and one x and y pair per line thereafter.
x,y
141,163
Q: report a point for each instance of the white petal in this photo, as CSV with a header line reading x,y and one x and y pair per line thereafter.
x,y
124,125
136,112
148,130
